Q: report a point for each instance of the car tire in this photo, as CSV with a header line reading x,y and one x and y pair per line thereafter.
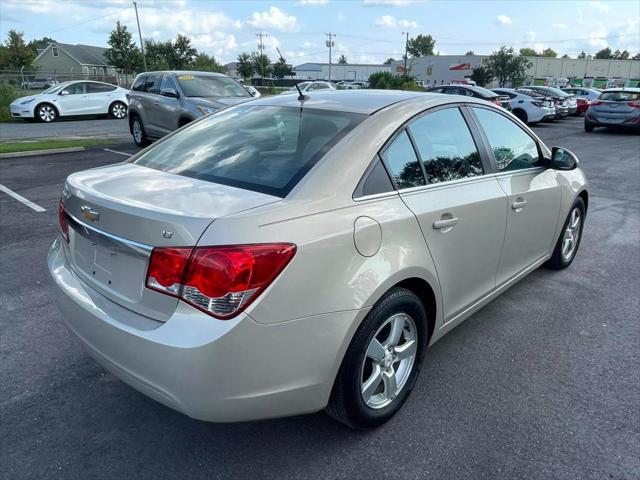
x,y
118,110
46,113
521,114
381,365
588,128
569,241
138,133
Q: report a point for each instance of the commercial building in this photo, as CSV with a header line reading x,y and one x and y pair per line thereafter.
x,y
439,69
339,71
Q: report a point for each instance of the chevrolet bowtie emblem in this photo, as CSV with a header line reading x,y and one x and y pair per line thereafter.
x,y
89,214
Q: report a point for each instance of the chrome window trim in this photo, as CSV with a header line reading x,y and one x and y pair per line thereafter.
x,y
377,196
139,248
458,181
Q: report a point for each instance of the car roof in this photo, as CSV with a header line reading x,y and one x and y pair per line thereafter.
x,y
622,89
354,101
187,72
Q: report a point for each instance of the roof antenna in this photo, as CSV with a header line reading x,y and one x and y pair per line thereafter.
x,y
302,97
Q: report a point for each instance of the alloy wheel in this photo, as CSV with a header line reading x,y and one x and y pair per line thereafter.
x,y
47,113
571,234
137,131
389,361
119,110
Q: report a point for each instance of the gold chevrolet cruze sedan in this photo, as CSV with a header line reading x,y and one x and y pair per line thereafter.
x,y
293,254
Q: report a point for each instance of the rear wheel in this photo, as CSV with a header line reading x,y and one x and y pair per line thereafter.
x,y
139,135
118,110
382,362
588,128
46,113
569,241
521,114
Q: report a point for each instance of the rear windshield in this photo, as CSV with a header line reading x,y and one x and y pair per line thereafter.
x,y
256,147
485,92
620,96
211,86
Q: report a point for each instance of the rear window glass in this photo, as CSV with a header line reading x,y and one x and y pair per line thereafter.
x,y
620,96
485,92
211,86
262,148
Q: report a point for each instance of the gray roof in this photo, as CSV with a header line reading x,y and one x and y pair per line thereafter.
x,y
355,101
315,66
85,54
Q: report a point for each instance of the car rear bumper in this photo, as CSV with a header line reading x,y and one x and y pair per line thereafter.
x,y
604,121
213,370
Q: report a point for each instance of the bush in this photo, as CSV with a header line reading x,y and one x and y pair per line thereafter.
x,y
389,81
7,95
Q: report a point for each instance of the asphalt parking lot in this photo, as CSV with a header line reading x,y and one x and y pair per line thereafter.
x,y
66,128
543,383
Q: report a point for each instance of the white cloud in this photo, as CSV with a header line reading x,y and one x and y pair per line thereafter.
x,y
274,18
389,21
502,20
308,45
603,7
559,25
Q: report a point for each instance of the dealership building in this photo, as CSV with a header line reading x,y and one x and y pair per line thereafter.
x,y
439,69
339,71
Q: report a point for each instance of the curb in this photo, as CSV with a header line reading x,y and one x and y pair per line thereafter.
x,y
41,152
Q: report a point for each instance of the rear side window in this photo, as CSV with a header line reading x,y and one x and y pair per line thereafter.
x,y
446,146
138,85
99,88
375,181
403,163
512,147
261,148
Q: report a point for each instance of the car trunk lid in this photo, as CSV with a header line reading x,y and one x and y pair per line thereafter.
x,y
117,214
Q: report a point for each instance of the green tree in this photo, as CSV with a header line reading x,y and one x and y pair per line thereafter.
x,y
469,53
389,61
565,56
528,52
506,65
548,52
421,46
604,53
481,75
636,56
582,55
18,54
618,55
387,80
281,69
342,60
261,64
184,54
123,52
159,54
39,44
245,66
206,63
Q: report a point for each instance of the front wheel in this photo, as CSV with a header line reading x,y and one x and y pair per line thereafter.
x,y
118,110
46,113
382,362
139,135
569,241
588,128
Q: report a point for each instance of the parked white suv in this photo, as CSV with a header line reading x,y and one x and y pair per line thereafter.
x,y
527,108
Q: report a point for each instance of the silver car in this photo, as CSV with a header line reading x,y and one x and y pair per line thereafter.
x,y
284,256
161,102
615,107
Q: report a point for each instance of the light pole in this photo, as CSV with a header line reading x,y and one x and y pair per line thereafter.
x,y
330,43
406,47
261,48
144,59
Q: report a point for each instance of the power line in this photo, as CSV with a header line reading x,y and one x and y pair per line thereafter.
x,y
330,43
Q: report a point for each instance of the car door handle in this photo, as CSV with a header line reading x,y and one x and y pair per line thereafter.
x,y
156,103
519,204
445,225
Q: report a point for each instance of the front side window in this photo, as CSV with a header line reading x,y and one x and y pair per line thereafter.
x,y
152,83
512,147
261,148
446,146
138,85
403,163
211,86
168,82
76,88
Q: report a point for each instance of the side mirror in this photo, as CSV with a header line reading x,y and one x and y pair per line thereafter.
x,y
169,92
64,92
563,159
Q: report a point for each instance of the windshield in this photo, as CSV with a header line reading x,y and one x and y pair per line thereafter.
x,y
211,86
56,88
262,148
485,92
619,96
557,92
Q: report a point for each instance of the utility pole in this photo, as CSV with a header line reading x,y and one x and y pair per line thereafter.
x,y
330,43
261,48
144,59
406,47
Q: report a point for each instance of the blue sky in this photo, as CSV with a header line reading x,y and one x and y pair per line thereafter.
x,y
367,31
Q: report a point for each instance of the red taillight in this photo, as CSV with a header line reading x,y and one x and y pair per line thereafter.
x,y
634,104
222,281
594,103
62,220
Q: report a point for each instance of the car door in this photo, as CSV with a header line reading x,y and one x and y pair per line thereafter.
x,y
72,100
166,107
443,179
99,97
533,192
150,101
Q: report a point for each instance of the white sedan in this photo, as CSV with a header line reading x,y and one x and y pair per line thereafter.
x,y
306,87
71,99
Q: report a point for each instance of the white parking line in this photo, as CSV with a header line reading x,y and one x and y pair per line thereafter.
x,y
21,199
119,153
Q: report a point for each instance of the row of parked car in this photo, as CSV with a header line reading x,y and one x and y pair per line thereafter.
x,y
536,103
160,102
